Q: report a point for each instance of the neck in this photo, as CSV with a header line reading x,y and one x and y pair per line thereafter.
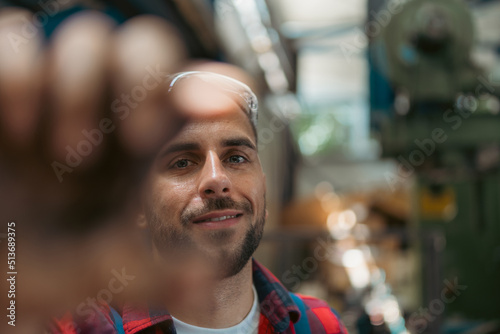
x,y
214,304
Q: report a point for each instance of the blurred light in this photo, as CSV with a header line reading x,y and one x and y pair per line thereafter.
x,y
331,221
391,310
269,60
377,319
378,276
308,144
340,224
330,202
360,210
335,229
322,189
353,258
276,80
261,38
367,253
261,43
247,10
357,269
338,234
402,103
493,105
347,219
316,136
467,102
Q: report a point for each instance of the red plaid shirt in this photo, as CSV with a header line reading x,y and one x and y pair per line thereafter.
x,y
278,314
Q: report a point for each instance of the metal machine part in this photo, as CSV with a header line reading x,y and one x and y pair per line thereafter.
x,y
441,126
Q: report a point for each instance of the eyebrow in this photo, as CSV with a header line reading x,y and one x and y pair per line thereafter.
x,y
191,146
239,142
180,147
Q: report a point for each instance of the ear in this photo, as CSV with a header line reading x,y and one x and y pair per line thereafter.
x,y
267,214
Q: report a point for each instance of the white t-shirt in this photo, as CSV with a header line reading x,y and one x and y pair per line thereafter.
x,y
249,325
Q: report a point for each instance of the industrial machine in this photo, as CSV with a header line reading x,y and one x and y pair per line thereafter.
x,y
437,114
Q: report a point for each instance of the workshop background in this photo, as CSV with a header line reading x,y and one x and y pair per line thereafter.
x,y
380,137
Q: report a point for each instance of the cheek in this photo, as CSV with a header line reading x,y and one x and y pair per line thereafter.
x,y
168,197
254,189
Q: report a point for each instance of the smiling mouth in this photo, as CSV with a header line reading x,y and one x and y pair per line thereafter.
x,y
217,219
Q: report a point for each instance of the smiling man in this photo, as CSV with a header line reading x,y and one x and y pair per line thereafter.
x,y
205,198
204,208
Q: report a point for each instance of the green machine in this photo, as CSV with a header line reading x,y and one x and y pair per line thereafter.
x,y
438,115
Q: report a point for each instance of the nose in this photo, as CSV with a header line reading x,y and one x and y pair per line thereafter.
x,y
214,181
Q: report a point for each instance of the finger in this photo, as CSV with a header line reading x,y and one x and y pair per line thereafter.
x,y
21,61
146,50
77,81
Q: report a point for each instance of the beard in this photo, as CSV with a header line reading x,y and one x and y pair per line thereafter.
x,y
175,242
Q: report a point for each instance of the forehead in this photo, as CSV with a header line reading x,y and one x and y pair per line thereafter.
x,y
207,93
221,124
213,110
215,127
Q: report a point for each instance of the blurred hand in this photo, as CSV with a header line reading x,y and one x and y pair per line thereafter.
x,y
80,118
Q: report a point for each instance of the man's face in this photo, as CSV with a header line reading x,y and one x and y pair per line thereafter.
x,y
206,194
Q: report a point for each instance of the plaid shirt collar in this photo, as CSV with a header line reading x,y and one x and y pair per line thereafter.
x,y
275,304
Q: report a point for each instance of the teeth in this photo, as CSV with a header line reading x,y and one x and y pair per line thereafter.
x,y
218,219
